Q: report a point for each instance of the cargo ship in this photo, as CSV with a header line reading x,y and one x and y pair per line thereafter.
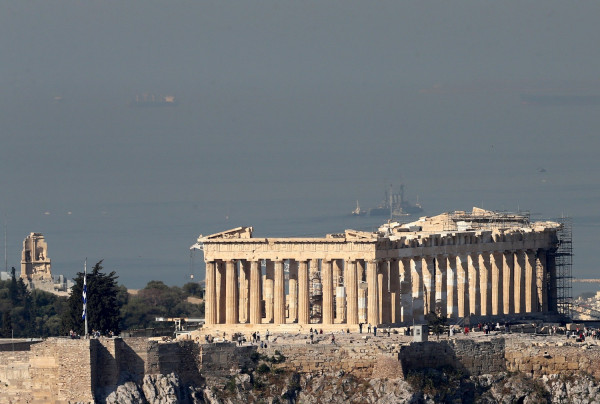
x,y
395,205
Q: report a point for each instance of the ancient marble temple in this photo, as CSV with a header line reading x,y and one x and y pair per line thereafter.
x,y
456,264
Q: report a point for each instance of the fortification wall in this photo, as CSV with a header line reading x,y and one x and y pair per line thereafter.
x,y
542,359
62,370
473,357
358,360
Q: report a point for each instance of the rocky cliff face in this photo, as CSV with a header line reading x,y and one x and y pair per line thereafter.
x,y
430,386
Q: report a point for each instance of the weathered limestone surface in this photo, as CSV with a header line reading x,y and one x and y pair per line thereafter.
x,y
63,370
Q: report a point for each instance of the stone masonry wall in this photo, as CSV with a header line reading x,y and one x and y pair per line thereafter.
x,y
15,379
538,359
358,360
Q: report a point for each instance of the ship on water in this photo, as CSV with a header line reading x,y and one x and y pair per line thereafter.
x,y
153,100
395,205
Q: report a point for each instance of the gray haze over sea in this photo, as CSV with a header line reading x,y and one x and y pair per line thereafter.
x,y
288,113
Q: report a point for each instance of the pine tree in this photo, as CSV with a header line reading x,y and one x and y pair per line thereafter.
x,y
13,288
103,309
7,327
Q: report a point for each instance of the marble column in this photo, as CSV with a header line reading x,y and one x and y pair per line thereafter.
x,y
520,282
441,288
406,309
428,285
474,288
509,291
268,285
552,292
350,278
462,273
221,302
541,281
395,290
497,283
373,301
303,294
327,282
485,284
383,289
255,289
531,303
361,274
293,291
452,305
231,293
279,294
244,291
339,291
210,294
416,273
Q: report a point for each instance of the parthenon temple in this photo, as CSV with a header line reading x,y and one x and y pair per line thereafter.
x,y
455,264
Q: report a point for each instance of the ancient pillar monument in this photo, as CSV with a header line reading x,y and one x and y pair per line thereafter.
x,y
456,264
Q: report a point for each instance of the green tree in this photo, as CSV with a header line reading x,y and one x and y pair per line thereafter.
x,y
436,323
193,289
103,309
13,288
7,327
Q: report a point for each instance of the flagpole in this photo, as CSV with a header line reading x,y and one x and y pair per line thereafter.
x,y
85,317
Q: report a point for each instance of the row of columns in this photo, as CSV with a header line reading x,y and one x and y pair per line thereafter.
x,y
384,291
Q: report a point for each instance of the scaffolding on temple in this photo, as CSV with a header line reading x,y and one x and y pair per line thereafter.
x,y
563,258
485,219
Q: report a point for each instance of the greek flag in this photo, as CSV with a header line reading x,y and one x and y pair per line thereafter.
x,y
84,295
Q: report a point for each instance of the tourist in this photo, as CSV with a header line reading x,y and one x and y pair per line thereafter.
x,y
267,335
360,327
332,338
369,328
375,330
312,337
257,336
467,330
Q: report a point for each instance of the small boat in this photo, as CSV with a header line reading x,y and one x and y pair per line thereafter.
x,y
358,211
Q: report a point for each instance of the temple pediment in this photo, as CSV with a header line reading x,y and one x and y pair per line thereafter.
x,y
236,233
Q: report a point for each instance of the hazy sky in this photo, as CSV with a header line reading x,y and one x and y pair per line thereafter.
x,y
288,113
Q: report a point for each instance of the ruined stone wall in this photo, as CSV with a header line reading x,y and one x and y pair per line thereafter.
x,y
538,359
358,360
473,357
15,378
